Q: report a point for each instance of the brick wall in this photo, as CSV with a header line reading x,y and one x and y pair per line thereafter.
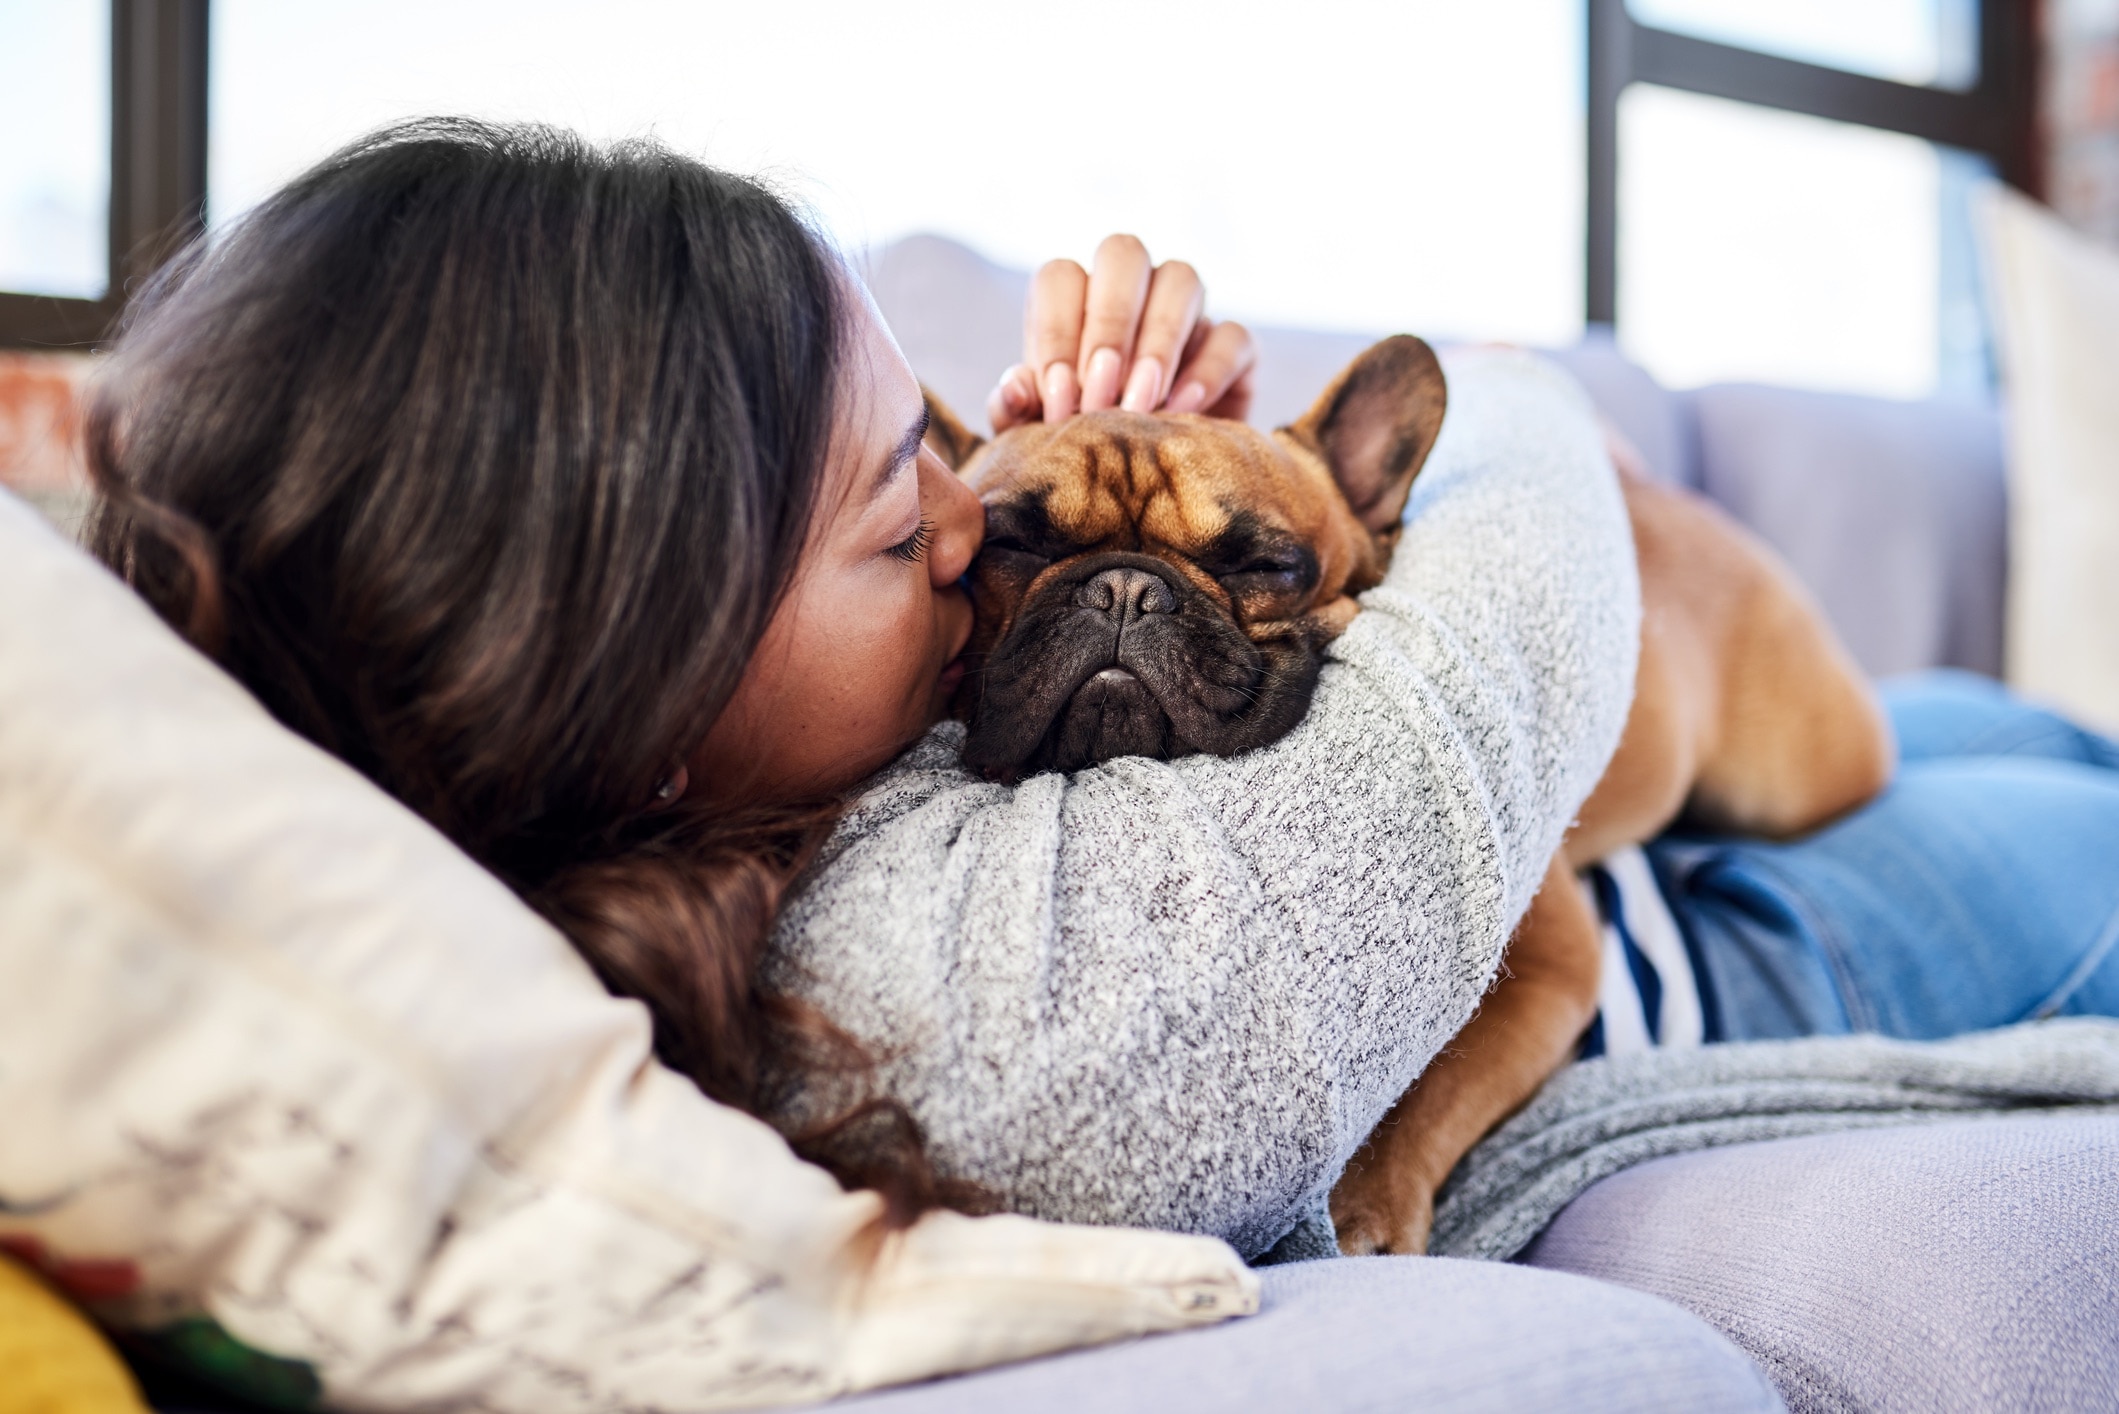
x,y
40,457
2082,112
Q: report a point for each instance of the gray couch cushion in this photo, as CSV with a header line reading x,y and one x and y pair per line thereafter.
x,y
1965,1266
1294,365
1387,1333
1657,421
957,317
1895,514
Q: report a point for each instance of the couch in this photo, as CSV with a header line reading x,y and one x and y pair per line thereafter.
x,y
1959,1266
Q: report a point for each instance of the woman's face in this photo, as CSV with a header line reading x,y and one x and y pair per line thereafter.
x,y
861,657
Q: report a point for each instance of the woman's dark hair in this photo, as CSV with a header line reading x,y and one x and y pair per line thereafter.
x,y
482,456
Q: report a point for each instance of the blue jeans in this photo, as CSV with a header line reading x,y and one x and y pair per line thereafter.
x,y
1981,889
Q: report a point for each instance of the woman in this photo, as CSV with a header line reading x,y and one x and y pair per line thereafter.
x,y
578,498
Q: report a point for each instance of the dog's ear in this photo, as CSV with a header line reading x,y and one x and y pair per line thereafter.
x,y
951,440
1376,424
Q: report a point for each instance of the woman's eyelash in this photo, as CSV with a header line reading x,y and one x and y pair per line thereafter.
x,y
913,548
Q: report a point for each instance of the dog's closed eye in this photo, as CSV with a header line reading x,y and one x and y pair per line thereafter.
x,y
1252,560
1009,545
1272,574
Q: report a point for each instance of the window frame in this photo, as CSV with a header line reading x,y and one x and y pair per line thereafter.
x,y
158,54
158,133
1996,118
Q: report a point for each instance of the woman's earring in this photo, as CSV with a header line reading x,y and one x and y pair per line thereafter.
x,y
670,789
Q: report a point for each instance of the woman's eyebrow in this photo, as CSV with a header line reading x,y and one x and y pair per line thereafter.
x,y
907,448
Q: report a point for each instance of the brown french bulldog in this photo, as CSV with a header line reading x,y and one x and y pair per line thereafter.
x,y
1157,585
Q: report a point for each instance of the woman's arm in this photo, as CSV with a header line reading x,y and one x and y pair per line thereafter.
x,y
1179,994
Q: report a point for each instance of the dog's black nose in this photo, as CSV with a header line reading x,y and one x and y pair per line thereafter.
x,y
1125,592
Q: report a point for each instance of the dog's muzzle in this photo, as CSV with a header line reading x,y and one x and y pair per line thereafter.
x,y
1120,656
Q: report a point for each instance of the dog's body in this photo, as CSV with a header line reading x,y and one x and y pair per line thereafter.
x,y
1748,716
1159,585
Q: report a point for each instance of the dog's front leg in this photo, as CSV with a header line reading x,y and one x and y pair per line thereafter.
x,y
1525,1030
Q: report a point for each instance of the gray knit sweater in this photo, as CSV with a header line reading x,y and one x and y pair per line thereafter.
x,y
1179,994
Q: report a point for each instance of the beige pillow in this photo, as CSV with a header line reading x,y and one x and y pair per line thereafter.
x,y
2056,296
283,1071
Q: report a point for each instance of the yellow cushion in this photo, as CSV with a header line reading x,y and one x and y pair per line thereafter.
x,y
56,1362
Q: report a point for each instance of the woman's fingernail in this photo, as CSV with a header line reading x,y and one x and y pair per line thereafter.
x,y
1059,392
1100,381
1014,396
1190,398
1144,388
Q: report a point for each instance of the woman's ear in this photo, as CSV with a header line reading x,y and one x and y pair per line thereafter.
x,y
1376,424
949,438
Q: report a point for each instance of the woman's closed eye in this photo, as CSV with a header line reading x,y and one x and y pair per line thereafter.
x,y
913,548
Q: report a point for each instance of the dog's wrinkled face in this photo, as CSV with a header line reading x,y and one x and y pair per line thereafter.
x,y
1163,585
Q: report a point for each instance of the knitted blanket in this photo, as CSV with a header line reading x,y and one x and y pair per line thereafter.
x,y
1601,1116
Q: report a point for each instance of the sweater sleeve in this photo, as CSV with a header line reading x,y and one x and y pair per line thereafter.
x,y
1179,994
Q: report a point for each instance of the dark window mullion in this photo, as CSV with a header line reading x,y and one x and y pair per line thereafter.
x,y
2009,42
1967,120
158,133
1611,32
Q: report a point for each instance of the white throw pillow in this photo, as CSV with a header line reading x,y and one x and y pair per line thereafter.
x,y
283,1070
2056,296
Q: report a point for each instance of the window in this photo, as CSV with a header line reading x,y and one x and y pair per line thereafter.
x,y
1781,248
1929,42
55,167
1349,164
104,168
1805,219
1344,164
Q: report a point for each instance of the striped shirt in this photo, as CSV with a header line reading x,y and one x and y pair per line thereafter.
x,y
1648,995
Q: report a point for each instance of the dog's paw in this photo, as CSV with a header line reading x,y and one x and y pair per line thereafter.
x,y
1375,1217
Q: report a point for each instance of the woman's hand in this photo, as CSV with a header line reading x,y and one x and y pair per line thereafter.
x,y
1129,334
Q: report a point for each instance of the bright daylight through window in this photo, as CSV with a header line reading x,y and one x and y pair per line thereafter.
x,y
1762,245
1779,248
1361,166
1358,166
55,165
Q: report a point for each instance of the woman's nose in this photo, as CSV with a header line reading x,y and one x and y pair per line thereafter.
x,y
959,520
